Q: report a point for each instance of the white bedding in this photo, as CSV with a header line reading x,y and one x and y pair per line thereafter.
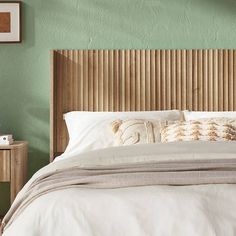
x,y
200,210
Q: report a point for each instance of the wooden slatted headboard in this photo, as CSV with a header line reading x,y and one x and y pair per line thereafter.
x,y
137,80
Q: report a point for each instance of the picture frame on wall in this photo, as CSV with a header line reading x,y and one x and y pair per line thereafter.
x,y
10,21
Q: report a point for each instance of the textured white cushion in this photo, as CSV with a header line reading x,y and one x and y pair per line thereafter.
x,y
136,131
91,130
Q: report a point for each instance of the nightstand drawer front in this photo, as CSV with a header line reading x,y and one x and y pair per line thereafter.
x,y
5,163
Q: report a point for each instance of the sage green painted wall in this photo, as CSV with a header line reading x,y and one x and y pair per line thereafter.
x,y
82,24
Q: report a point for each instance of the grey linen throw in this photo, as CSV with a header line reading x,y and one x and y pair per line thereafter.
x,y
182,172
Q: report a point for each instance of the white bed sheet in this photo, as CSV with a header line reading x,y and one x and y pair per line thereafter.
x,y
156,210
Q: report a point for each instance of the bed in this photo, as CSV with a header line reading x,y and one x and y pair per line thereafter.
x,y
149,181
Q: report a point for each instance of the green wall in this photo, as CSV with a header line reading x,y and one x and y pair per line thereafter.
x,y
82,24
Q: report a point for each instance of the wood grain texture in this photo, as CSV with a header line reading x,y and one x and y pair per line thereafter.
x,y
5,161
138,80
19,159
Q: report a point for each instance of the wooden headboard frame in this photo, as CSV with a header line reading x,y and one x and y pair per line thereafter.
x,y
137,80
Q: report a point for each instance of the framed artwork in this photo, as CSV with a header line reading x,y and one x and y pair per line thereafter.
x,y
10,21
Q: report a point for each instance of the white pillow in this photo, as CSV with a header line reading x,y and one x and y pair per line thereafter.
x,y
195,115
91,130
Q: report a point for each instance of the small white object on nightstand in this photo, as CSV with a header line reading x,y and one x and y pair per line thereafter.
x,y
6,139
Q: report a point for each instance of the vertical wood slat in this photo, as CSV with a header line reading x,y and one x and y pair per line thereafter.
x,y
205,81
225,81
132,81
178,79
137,78
153,79
189,80
200,81
158,79
195,81
183,80
90,80
231,80
173,79
210,81
142,81
113,80
147,71
221,79
163,80
168,80
216,80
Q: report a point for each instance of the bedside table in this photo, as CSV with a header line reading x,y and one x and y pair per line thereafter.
x,y
13,166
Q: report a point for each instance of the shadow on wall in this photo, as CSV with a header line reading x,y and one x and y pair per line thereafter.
x,y
32,125
222,5
36,160
25,104
28,25
26,114
38,114
39,139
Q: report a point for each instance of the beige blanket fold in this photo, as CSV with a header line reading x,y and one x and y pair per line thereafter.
x,y
181,172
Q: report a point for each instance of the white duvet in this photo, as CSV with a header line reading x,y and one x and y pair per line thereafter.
x,y
201,210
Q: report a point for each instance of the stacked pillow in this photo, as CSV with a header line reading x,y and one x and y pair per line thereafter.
x,y
92,130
